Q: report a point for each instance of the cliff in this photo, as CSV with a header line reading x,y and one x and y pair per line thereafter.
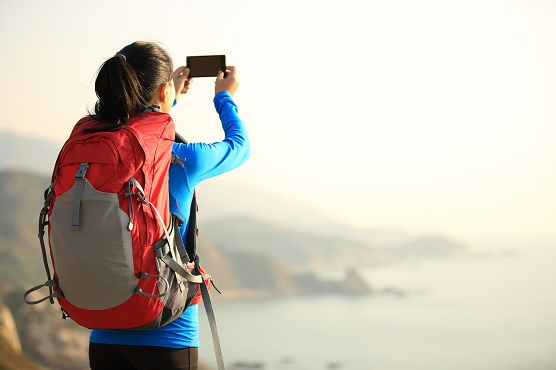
x,y
46,339
8,330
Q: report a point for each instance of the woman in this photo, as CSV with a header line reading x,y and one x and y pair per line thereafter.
x,y
141,69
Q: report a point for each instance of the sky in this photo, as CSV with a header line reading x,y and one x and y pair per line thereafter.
x,y
427,116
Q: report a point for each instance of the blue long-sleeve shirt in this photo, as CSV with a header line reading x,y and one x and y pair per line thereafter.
x,y
200,161
203,161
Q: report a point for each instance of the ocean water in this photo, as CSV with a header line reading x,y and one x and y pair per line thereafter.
x,y
482,313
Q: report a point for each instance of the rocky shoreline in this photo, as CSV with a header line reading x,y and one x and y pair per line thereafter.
x,y
35,337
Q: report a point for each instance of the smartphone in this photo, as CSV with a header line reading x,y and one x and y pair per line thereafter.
x,y
206,65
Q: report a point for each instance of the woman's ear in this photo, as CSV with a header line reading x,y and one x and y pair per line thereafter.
x,y
166,96
164,92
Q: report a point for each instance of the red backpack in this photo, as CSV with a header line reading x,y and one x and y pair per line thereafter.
x,y
118,258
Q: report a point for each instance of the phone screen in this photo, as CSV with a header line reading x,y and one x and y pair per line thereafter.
x,y
206,65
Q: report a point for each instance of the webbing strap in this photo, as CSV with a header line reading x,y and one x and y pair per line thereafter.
x,y
50,283
181,271
144,275
80,184
42,225
212,323
169,260
191,239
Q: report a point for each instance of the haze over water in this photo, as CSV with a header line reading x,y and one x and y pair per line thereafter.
x,y
430,116
484,313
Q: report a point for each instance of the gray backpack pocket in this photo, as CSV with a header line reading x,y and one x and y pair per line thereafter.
x,y
94,264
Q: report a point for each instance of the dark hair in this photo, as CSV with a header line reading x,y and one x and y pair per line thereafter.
x,y
127,82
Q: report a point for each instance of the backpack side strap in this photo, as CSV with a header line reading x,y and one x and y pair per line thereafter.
x,y
50,284
163,251
42,225
211,319
144,275
179,269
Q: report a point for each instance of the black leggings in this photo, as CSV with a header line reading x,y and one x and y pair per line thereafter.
x,y
116,357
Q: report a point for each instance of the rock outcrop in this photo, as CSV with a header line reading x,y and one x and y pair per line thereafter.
x,y
11,354
49,341
8,329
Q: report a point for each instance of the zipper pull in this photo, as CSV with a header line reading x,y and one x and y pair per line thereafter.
x,y
177,160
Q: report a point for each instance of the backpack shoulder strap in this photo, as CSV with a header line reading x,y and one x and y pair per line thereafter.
x,y
192,230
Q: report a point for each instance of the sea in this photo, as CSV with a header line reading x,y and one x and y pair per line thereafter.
x,y
492,311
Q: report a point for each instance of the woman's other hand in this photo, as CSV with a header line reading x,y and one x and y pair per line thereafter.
x,y
181,80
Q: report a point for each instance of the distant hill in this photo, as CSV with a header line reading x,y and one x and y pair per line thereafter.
x,y
298,249
218,198
21,199
27,153
233,219
222,240
310,251
257,269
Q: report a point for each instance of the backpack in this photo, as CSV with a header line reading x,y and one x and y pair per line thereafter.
x,y
117,256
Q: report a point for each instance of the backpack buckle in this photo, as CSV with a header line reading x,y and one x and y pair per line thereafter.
x,y
83,167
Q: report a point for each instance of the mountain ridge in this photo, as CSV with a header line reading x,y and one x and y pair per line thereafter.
x,y
21,198
218,197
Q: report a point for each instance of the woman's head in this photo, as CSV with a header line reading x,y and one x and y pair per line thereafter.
x,y
130,81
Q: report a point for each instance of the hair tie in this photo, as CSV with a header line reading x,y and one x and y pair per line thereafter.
x,y
123,56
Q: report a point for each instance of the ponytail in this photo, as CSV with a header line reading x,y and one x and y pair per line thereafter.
x,y
128,81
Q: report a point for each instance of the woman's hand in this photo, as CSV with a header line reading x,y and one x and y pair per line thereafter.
x,y
228,83
181,80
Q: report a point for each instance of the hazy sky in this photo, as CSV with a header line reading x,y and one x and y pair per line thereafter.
x,y
430,116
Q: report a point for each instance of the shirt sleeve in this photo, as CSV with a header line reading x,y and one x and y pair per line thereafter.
x,y
204,160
